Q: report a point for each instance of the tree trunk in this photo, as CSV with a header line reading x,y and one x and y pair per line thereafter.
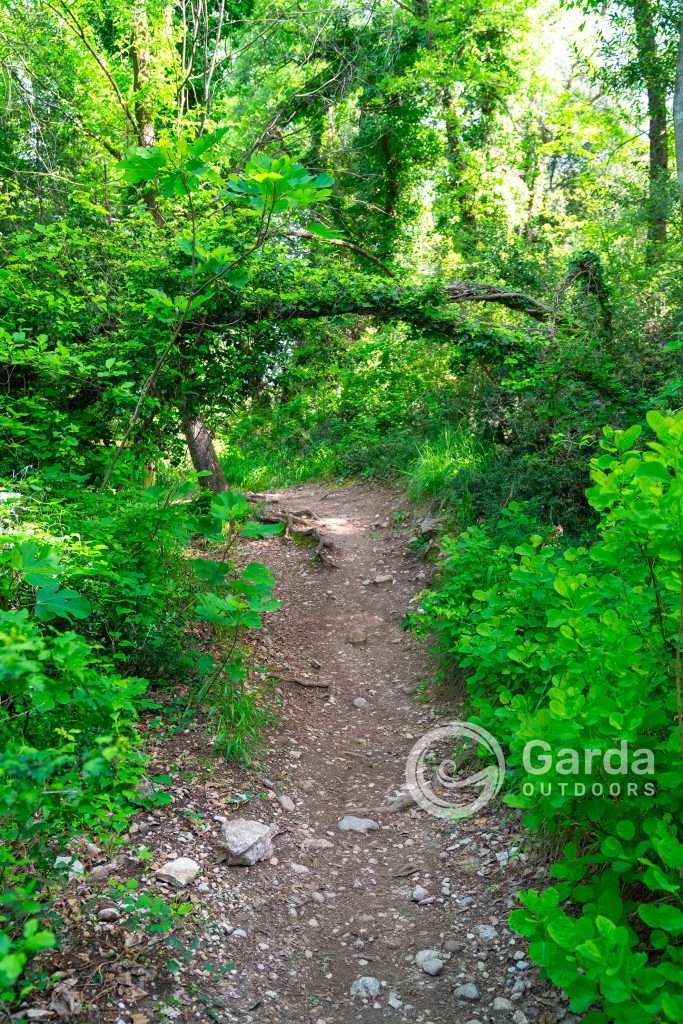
x,y
651,71
678,118
141,60
202,452
197,434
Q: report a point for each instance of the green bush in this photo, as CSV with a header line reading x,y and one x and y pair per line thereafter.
x,y
580,647
92,588
363,413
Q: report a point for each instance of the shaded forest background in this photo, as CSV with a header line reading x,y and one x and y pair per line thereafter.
x,y
421,240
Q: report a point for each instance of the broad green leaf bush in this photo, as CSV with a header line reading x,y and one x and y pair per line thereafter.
x,y
96,590
579,648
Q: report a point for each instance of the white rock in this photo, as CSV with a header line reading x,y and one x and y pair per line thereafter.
x,y
401,802
419,894
108,914
499,1003
102,871
314,843
71,865
394,1001
238,933
286,802
468,992
487,932
300,869
365,988
179,872
246,841
360,702
429,961
350,823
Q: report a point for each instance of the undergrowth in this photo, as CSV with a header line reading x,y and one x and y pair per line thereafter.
x,y
568,648
97,594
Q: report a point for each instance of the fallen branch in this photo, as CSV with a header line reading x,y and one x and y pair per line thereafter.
x,y
309,684
297,525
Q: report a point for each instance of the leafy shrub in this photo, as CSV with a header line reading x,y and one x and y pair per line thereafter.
x,y
363,413
580,647
90,591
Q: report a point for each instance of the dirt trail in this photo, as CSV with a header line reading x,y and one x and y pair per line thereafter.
x,y
300,928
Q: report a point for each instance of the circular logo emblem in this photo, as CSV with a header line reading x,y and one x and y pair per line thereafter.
x,y
443,773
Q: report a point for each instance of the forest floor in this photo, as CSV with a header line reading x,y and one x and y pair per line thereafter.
x,y
284,940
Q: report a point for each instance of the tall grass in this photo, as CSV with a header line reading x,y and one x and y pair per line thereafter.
x,y
275,467
444,466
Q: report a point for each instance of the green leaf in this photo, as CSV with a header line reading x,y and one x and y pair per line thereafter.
x,y
653,470
662,915
11,967
322,231
624,438
672,1006
61,603
142,164
625,829
253,530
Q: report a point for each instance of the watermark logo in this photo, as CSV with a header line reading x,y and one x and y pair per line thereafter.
x,y
590,771
443,773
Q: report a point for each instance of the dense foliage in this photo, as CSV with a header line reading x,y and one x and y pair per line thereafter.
x,y
581,647
434,241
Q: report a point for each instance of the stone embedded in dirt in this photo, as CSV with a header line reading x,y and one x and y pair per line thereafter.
x,y
468,992
429,961
419,894
357,636
469,865
429,525
365,988
108,914
102,871
350,823
360,702
238,933
179,872
387,578
286,802
37,1014
487,932
500,1003
314,663
452,946
314,843
246,841
401,801
300,869
518,1017
71,865
394,1001
146,789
